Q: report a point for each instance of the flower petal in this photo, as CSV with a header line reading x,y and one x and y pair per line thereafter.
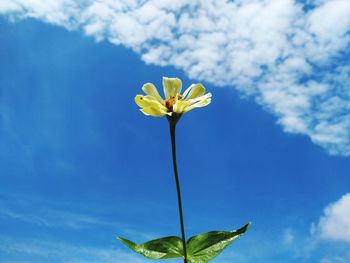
x,y
180,105
150,105
198,105
194,91
151,90
148,101
203,97
171,86
206,99
140,101
152,111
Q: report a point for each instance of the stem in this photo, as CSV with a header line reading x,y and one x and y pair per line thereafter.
x,y
173,144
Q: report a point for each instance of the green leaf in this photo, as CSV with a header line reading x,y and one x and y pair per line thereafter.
x,y
204,247
162,248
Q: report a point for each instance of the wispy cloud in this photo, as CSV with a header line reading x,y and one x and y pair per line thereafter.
x,y
335,259
34,250
53,218
320,247
42,213
288,236
68,217
292,58
37,251
58,232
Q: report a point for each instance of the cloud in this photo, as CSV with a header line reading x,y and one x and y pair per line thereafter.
x,y
333,260
55,222
292,58
34,250
53,218
334,225
288,236
44,213
52,250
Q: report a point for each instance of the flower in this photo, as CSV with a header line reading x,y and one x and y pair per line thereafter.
x,y
174,103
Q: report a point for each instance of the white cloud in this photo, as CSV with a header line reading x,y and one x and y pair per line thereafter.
x,y
290,59
335,223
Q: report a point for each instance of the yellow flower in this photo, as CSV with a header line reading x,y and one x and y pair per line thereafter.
x,y
174,103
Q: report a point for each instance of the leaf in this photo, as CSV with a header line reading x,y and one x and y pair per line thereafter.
x,y
204,247
162,248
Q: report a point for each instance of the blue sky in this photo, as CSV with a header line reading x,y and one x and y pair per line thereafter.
x,y
80,165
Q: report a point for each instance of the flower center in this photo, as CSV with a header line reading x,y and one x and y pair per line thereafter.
x,y
171,101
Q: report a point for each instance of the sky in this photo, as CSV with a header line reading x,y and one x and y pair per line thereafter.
x,y
81,165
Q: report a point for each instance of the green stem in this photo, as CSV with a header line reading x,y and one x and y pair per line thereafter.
x,y
173,144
